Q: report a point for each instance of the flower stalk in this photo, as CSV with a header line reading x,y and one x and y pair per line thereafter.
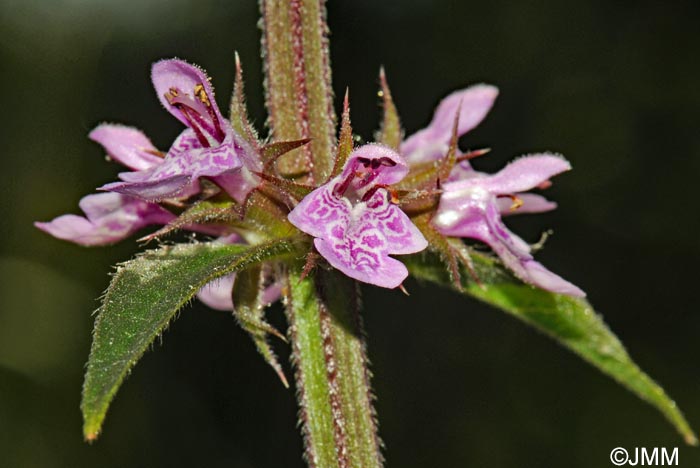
x,y
325,332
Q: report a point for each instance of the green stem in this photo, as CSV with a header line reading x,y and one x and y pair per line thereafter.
x,y
298,84
325,329
328,353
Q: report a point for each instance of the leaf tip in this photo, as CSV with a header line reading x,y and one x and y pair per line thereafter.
x,y
691,439
91,431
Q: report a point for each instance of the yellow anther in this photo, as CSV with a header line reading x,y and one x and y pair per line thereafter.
x,y
201,94
171,94
517,203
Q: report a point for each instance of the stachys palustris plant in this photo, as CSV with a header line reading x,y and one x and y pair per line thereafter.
x,y
303,215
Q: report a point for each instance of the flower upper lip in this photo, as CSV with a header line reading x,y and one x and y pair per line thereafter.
x,y
208,147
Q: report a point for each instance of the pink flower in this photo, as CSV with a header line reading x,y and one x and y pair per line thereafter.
x,y
207,148
471,208
356,224
111,217
474,202
431,143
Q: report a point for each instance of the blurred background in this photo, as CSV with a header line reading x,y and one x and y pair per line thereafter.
x,y
611,85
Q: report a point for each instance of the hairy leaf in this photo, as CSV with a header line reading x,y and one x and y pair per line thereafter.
x,y
571,321
143,297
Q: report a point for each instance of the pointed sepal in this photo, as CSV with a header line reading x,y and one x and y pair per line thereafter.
x,y
345,140
272,151
217,214
390,132
294,189
249,303
239,111
448,162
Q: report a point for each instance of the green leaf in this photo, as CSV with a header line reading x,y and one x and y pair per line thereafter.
x,y
249,310
571,321
143,297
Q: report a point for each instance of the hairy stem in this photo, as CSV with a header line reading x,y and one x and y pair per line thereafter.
x,y
325,330
328,353
298,84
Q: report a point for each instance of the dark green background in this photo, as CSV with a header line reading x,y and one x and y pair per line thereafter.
x,y
613,85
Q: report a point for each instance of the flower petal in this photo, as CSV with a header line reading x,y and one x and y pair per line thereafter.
x,y
321,213
362,263
432,142
217,294
374,164
524,174
177,175
531,203
177,74
514,252
403,237
126,145
110,217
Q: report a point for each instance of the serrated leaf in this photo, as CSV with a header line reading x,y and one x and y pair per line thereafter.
x,y
144,295
249,309
571,321
390,133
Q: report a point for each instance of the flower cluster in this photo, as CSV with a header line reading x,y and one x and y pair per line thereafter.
x,y
358,217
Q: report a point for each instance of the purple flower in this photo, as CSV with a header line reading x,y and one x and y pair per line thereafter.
x,y
110,217
207,148
472,208
431,143
355,222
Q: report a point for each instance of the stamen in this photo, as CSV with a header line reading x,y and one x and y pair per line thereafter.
x,y
193,125
198,111
343,186
154,152
393,196
517,202
202,95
